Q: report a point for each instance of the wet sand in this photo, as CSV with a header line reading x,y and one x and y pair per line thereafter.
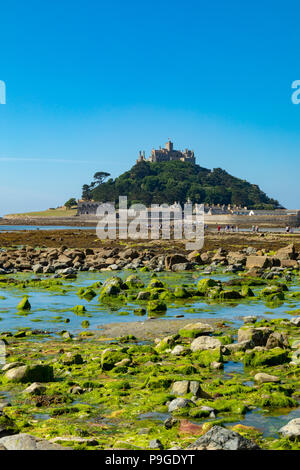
x,y
150,328
88,239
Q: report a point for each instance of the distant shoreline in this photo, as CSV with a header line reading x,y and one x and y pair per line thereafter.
x,y
68,221
80,222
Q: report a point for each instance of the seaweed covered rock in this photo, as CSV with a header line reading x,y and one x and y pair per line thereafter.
x,y
7,425
109,290
277,340
155,284
87,294
205,284
134,282
35,373
208,357
79,309
193,330
70,358
272,293
24,304
247,291
143,295
230,295
272,357
156,306
259,336
110,357
165,343
181,293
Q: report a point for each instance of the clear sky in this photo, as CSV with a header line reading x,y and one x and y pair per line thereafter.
x,y
90,83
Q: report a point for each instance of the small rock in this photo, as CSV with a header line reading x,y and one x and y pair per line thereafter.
x,y
35,389
155,444
216,365
178,350
295,321
179,403
250,319
265,378
170,422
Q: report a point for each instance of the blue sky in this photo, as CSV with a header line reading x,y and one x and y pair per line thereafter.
x,y
90,83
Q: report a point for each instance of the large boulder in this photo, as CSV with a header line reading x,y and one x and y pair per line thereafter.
x,y
288,252
277,340
289,263
259,336
203,343
271,357
234,257
181,387
35,373
28,442
7,425
219,438
258,262
291,429
171,260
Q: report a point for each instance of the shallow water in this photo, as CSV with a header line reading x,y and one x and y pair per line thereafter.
x,y
268,422
49,309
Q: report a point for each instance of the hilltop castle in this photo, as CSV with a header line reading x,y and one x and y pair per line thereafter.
x,y
167,154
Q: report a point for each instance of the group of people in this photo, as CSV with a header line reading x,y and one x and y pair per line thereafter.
x,y
228,228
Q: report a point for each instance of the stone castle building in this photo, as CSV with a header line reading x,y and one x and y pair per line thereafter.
x,y
167,154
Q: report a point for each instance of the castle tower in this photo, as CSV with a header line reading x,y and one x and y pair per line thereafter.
x,y
169,146
142,157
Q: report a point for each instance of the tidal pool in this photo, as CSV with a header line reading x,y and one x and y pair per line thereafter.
x,y
51,309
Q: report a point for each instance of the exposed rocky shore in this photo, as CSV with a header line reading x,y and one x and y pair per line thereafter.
x,y
155,384
67,261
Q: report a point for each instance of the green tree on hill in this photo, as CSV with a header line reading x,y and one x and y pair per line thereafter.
x,y
167,182
71,203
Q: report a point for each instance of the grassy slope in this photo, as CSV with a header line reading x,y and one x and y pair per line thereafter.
x,y
46,213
